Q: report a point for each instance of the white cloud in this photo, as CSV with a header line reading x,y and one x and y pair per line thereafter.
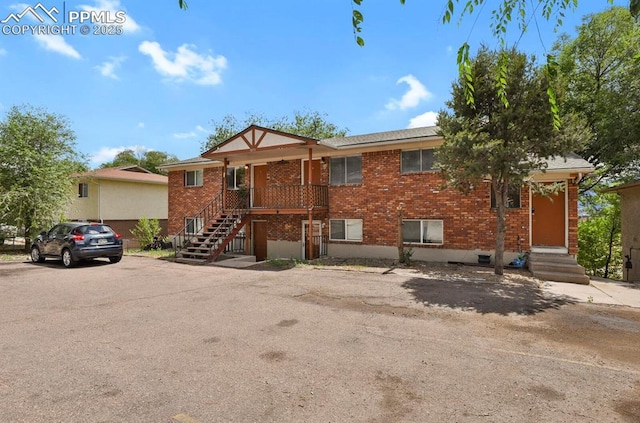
x,y
185,64
113,6
140,124
417,92
190,134
2,51
57,44
106,154
425,119
109,67
182,135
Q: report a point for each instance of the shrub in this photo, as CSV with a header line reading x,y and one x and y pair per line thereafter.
x,y
145,230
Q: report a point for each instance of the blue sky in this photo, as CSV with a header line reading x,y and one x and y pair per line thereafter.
x,y
159,84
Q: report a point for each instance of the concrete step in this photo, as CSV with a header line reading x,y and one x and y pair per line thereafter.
x,y
551,258
194,253
563,277
185,260
572,268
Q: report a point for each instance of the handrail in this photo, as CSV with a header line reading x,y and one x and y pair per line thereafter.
x,y
231,220
208,212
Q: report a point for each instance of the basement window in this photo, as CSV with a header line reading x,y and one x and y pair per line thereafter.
x,y
345,229
193,225
423,232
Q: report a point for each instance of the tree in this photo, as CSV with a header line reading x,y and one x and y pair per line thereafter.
x,y
601,79
504,144
599,236
307,124
37,159
149,160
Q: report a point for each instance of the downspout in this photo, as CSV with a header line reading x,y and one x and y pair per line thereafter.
x,y
100,202
225,163
309,208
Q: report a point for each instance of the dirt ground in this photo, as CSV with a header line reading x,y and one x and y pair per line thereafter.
x,y
332,341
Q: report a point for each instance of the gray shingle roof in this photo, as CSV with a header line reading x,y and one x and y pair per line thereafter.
x,y
570,161
191,161
380,137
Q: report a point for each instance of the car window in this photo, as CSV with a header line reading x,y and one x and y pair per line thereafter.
x,y
57,230
95,229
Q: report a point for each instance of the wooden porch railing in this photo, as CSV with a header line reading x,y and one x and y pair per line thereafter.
x,y
289,196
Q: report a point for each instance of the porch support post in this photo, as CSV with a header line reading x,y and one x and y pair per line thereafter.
x,y
225,163
309,208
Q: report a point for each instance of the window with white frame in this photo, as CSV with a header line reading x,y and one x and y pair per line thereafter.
x,y
513,197
418,160
345,170
423,231
193,225
345,229
193,178
235,177
83,190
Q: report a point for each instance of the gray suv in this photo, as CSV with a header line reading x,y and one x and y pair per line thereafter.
x,y
75,241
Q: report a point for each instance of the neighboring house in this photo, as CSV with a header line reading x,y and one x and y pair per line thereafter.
x,y
630,216
120,197
352,191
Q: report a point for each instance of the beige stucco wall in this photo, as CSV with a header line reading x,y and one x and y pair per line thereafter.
x,y
120,200
630,211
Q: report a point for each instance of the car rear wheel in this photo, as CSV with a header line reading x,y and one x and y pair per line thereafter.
x,y
36,257
67,258
115,259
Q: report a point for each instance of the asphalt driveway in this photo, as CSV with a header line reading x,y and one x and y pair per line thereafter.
x,y
153,341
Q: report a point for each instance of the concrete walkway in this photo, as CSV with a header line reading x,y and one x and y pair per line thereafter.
x,y
599,291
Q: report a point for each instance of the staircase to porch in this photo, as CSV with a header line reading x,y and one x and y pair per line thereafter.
x,y
210,243
206,235
557,267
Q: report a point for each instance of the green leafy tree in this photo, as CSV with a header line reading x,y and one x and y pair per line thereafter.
x,y
145,230
504,144
601,79
307,124
149,160
599,236
37,159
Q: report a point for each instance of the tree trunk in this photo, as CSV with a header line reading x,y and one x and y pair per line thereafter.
x,y
28,228
611,236
400,243
501,190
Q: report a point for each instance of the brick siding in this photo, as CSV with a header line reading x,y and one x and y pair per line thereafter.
x,y
469,222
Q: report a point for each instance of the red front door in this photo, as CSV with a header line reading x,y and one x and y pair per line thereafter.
x,y
259,186
259,235
548,220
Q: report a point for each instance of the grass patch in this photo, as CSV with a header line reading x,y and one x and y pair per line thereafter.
x,y
281,263
158,254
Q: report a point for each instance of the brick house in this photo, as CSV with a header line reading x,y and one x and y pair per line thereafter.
x,y
355,191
